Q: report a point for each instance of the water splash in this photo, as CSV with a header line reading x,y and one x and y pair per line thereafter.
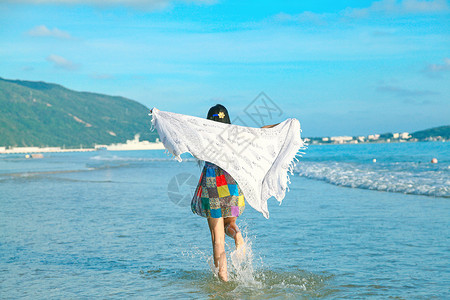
x,y
240,268
249,277
240,263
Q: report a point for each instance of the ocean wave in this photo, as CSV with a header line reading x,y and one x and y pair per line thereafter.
x,y
407,177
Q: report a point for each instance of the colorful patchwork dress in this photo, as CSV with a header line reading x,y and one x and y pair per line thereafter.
x,y
217,194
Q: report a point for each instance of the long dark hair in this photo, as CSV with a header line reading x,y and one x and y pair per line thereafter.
x,y
218,113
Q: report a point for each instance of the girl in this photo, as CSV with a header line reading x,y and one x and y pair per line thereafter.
x,y
219,198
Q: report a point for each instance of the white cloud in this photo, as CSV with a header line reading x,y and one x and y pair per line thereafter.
x,y
27,69
304,17
102,76
435,70
403,92
417,6
399,7
42,30
61,62
381,7
140,4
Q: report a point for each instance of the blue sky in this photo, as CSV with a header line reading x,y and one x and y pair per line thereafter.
x,y
340,67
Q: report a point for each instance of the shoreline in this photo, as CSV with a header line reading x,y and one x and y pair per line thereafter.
x,y
379,142
154,146
16,150
114,147
130,145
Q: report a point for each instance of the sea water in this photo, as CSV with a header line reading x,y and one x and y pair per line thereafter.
x,y
118,225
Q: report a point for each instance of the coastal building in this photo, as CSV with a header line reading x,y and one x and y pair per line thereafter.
x,y
373,137
133,144
405,135
341,139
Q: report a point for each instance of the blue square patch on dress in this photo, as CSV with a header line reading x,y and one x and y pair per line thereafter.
x,y
216,213
233,190
210,172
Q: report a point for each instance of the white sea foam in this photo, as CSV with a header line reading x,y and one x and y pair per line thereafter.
x,y
405,177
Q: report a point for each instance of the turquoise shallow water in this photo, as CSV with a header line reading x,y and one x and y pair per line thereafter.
x,y
101,224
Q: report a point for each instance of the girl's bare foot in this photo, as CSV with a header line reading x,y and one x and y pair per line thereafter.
x,y
223,275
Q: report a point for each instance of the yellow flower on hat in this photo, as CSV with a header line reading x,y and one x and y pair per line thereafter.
x,y
221,115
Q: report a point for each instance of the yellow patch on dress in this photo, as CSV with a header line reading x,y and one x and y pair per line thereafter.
x,y
223,191
241,201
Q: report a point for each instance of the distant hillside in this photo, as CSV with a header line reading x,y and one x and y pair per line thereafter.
x,y
442,131
43,114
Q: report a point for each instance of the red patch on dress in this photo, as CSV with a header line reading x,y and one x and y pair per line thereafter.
x,y
220,180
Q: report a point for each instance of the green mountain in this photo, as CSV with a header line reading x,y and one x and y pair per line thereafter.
x,y
44,114
442,131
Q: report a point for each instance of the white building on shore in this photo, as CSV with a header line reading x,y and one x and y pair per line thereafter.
x,y
373,137
341,139
133,144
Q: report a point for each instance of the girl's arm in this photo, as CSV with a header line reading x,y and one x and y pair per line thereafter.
x,y
270,126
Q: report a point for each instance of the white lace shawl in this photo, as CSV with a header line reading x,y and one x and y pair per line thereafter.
x,y
257,158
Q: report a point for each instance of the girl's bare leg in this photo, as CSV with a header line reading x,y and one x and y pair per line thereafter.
x,y
216,226
233,231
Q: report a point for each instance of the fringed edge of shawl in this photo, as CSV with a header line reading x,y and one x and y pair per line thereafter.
x,y
152,128
293,162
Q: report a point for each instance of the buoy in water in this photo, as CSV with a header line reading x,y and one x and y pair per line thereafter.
x,y
374,160
27,156
434,160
